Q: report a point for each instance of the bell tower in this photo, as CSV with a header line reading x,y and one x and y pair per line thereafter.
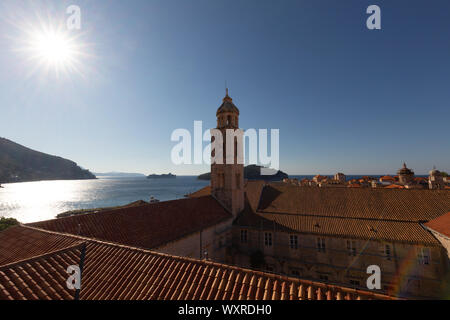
x,y
227,176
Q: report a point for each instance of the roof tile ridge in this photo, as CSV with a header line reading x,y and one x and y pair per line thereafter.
x,y
40,257
138,249
113,209
204,262
179,258
340,217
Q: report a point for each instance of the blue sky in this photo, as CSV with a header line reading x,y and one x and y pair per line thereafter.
x,y
345,98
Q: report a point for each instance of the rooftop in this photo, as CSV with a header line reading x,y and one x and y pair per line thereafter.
x,y
440,224
113,271
367,203
145,226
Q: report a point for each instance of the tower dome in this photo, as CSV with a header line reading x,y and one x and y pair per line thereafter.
x,y
435,172
405,170
227,114
405,175
227,106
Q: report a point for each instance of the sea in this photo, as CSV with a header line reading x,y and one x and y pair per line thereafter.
x,y
35,201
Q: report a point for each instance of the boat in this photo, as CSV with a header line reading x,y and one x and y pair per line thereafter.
x,y
161,176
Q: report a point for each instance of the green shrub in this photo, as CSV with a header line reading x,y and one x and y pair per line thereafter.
x,y
7,222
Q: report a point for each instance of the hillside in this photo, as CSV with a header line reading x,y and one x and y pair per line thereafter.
x,y
20,164
253,172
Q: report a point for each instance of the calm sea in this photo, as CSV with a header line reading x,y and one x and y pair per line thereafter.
x,y
35,201
43,200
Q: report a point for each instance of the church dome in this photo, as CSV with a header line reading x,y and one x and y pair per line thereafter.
x,y
227,106
435,172
405,170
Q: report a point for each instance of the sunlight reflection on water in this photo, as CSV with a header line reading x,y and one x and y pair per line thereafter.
x,y
43,200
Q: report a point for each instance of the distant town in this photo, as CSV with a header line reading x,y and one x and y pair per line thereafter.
x,y
405,179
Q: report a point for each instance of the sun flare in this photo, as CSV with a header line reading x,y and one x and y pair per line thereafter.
x,y
53,48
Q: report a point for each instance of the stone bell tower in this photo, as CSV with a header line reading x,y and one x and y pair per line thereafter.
x,y
227,176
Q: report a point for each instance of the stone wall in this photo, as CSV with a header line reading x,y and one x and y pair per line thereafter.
x,y
404,269
213,240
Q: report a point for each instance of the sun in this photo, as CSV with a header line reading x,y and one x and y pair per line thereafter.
x,y
53,48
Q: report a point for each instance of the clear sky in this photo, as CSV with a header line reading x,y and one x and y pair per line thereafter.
x,y
345,98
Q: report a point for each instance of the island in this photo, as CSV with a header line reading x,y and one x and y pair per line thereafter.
x,y
21,164
161,176
253,172
119,174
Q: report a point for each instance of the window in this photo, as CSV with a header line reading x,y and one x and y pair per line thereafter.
x,y
268,239
423,256
243,236
351,248
238,181
293,242
387,251
320,244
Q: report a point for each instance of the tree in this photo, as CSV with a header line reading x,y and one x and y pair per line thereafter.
x,y
7,222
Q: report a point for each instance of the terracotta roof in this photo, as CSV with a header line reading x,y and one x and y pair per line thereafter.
x,y
354,185
395,186
115,272
440,224
205,191
253,191
387,178
19,243
146,226
398,231
367,203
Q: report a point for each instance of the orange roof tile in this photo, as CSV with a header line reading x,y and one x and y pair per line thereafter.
x,y
205,191
18,243
380,230
395,186
387,204
354,185
440,224
146,226
115,272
